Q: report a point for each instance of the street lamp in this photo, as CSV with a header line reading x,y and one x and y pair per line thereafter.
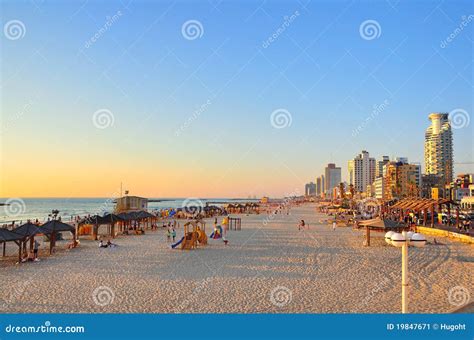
x,y
404,240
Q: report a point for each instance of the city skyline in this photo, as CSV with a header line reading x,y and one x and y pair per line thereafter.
x,y
111,93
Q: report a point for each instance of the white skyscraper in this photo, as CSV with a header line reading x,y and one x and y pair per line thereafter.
x,y
361,171
439,147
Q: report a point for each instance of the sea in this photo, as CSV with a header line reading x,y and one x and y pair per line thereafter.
x,y
22,209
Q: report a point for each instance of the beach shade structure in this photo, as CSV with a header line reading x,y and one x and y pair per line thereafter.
x,y
51,228
28,231
97,220
10,236
379,225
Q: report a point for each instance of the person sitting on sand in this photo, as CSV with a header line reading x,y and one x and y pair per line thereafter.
x,y
102,245
110,244
301,225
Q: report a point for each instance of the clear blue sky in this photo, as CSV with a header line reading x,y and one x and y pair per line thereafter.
x,y
153,79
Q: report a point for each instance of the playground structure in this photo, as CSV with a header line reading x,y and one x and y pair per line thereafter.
x,y
194,234
235,223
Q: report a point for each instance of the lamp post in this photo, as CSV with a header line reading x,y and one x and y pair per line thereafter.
x,y
404,240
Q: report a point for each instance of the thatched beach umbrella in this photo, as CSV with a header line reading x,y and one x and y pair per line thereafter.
x,y
28,231
52,227
10,236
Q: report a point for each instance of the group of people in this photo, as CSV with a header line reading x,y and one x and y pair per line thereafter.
x,y
107,244
171,232
28,257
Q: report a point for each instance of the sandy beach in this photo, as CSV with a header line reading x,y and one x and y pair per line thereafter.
x,y
268,267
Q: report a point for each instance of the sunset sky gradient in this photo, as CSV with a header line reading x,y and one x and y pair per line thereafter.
x,y
154,81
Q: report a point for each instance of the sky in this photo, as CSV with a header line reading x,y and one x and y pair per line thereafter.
x,y
223,98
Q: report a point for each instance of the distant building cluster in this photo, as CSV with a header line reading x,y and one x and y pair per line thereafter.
x,y
386,180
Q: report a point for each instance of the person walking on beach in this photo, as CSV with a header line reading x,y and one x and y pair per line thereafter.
x,y
173,233
168,234
334,224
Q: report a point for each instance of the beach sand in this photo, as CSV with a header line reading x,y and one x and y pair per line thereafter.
x,y
268,267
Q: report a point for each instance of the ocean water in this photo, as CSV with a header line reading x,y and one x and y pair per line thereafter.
x,y
22,209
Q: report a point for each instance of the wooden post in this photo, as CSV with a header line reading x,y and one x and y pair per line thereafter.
x,y
457,217
4,248
432,215
367,236
51,237
405,276
19,251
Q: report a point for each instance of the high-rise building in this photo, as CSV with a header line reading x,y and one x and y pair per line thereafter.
x,y
310,189
379,166
323,184
402,180
332,177
379,185
319,187
439,147
361,171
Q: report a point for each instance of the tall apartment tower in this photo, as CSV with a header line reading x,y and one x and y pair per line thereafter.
x,y
439,147
379,166
361,171
332,177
